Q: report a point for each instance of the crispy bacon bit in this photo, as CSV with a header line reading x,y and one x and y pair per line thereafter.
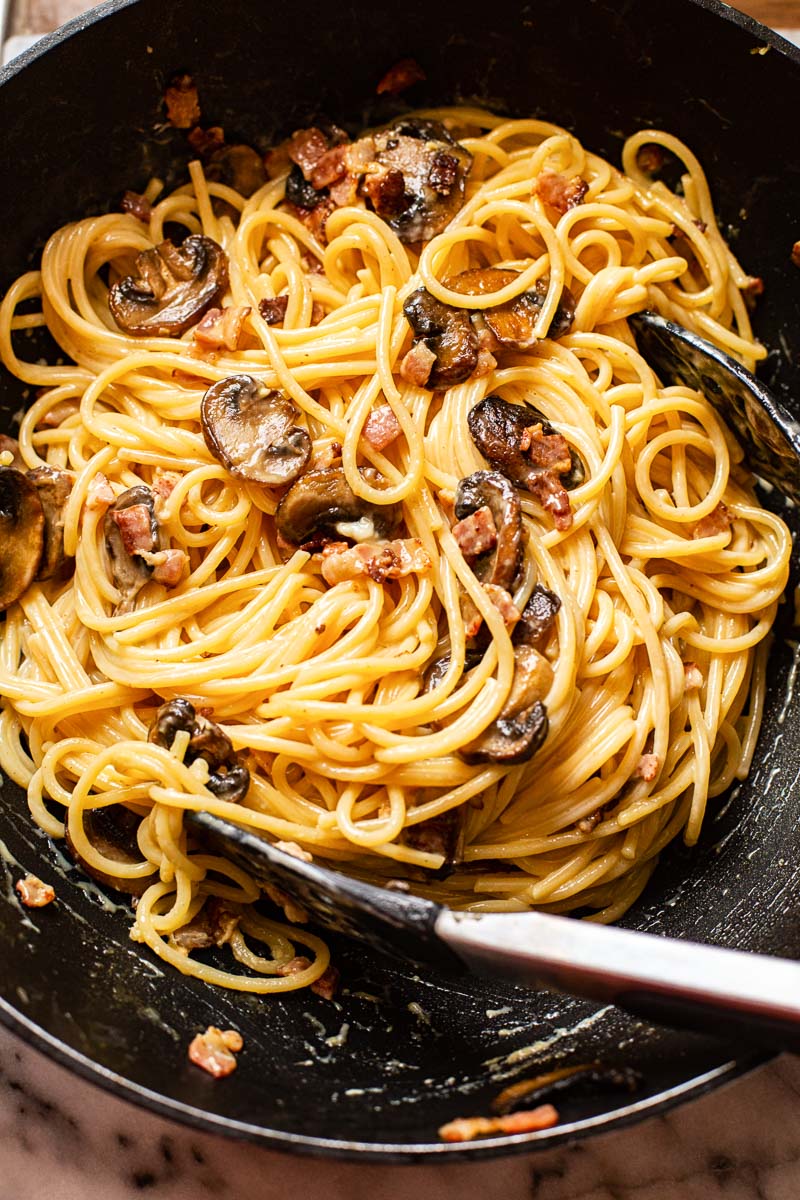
x,y
213,925
443,173
404,74
795,255
56,415
164,483
386,190
548,450
651,157
381,427
206,142
417,365
328,983
306,147
33,893
486,364
388,560
137,205
295,851
295,965
694,676
751,289
559,192
648,767
329,168
294,914
181,99
222,328
464,1129
316,218
554,498
169,566
502,601
99,495
274,311
718,521
214,1051
477,533
134,527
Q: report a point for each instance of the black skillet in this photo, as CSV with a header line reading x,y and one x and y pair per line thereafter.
x,y
82,120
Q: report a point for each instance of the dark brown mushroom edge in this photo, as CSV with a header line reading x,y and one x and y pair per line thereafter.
x,y
229,777
253,431
112,831
131,532
322,507
171,289
31,528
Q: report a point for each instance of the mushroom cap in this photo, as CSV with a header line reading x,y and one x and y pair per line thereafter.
x,y
54,489
538,617
448,332
229,778
497,428
513,323
252,431
510,740
434,168
130,572
22,525
321,504
499,565
172,288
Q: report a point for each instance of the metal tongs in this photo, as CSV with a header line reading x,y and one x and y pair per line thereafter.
x,y
670,981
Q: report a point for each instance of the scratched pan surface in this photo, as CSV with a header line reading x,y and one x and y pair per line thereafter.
x,y
399,1053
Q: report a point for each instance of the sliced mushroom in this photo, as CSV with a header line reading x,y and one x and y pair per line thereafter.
x,y
500,564
448,333
22,525
499,430
321,506
510,740
171,289
425,170
228,778
440,835
54,489
130,528
239,167
437,670
538,617
513,323
112,832
252,431
533,677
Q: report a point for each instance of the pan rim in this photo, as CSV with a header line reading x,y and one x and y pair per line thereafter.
x,y
401,1153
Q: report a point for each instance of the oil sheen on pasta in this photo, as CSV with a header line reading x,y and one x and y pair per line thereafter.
x,y
322,685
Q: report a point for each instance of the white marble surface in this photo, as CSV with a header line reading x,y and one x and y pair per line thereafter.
x,y
62,1139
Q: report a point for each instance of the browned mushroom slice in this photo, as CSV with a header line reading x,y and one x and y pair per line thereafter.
x,y
239,167
538,617
437,670
513,323
440,835
21,534
131,530
171,289
521,728
321,506
498,564
54,489
229,778
252,431
421,156
448,333
512,437
112,832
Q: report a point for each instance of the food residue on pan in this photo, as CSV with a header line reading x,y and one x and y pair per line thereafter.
x,y
215,1051
34,893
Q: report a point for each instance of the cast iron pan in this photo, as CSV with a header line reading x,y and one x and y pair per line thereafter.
x,y
375,1074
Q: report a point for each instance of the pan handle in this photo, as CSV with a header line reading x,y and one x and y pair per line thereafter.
x,y
673,982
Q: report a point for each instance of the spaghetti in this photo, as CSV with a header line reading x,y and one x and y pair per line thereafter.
x,y
666,571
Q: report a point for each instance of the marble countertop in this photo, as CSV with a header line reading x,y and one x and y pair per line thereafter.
x,y
63,1139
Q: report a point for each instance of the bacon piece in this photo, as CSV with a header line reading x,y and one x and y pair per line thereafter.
x,y
548,450
694,676
486,364
717,521
295,965
554,498
56,415
164,483
328,983
381,427
386,189
169,567
464,1129
387,560
651,157
648,767
213,925
330,167
404,74
99,495
206,142
181,99
500,598
137,205
417,365
214,1051
295,851
477,533
315,219
443,173
33,893
306,147
274,311
795,255
559,192
134,527
222,328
